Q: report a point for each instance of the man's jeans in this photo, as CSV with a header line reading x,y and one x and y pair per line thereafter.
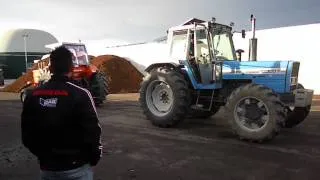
x,y
82,173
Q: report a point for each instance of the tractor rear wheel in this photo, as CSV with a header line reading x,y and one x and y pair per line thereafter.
x,y
296,115
164,97
255,113
99,87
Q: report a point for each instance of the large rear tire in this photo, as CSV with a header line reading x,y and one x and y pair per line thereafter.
x,y
255,113
99,87
296,115
164,97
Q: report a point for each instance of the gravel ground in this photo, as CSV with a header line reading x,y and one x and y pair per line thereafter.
x,y
197,149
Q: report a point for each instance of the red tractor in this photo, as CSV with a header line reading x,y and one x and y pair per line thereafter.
x,y
84,74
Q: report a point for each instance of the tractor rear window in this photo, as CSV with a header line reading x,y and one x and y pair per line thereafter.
x,y
79,52
178,47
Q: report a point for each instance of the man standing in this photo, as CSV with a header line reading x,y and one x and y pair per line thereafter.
x,y
60,126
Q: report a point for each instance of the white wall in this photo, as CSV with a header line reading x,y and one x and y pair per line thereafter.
x,y
299,43
141,55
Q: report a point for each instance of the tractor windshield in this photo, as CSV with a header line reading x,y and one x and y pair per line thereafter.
x,y
223,44
80,56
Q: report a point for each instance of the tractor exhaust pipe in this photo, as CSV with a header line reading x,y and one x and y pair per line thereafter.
x,y
253,42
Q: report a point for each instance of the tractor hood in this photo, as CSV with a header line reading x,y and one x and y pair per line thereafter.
x,y
277,74
255,67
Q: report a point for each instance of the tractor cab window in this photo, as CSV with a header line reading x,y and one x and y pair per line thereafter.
x,y
80,56
199,54
202,47
223,46
178,45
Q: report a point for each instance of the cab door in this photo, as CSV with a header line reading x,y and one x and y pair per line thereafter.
x,y
210,69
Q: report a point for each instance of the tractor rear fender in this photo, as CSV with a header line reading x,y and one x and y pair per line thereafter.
x,y
156,65
176,67
91,71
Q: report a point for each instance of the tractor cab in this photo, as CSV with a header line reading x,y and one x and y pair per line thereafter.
x,y
79,51
84,74
202,47
80,55
81,65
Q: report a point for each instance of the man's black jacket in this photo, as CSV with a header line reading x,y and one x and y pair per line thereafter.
x,y
60,125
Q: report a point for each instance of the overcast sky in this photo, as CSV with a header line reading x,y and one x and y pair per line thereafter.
x,y
142,20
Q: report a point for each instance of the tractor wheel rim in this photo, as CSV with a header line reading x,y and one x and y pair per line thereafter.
x,y
251,113
291,108
159,98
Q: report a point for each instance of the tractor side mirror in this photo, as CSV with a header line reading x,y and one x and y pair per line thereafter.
x,y
243,33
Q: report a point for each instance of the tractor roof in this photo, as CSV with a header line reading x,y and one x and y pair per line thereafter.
x,y
192,21
55,45
189,23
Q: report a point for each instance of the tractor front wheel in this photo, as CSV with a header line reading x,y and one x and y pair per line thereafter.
x,y
164,97
255,113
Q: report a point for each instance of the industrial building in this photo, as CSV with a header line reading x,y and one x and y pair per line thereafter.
x,y
19,46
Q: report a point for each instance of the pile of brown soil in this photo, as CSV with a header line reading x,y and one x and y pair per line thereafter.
x,y
122,75
16,86
19,83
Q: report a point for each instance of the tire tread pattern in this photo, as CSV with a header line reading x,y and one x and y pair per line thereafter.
x,y
181,95
275,106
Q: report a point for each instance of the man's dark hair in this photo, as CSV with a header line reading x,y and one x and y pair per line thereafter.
x,y
61,60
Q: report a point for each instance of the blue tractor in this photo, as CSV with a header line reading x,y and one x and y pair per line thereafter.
x,y
203,74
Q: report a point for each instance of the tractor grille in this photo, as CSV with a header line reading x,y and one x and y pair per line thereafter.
x,y
294,75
